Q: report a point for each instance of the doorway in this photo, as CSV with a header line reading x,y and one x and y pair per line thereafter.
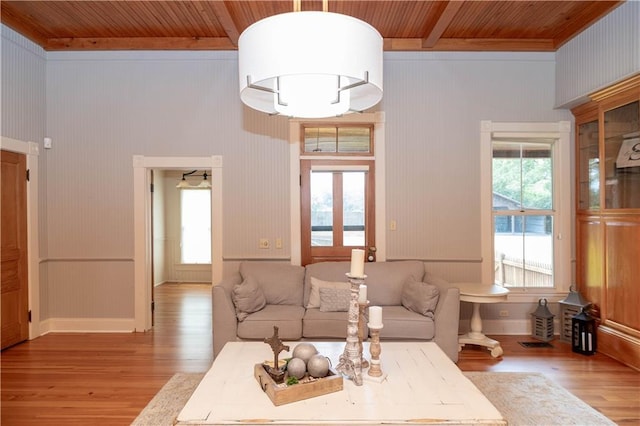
x,y
143,224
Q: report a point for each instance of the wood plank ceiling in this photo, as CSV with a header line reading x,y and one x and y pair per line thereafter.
x,y
469,25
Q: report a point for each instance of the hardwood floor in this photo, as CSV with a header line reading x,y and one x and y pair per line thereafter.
x,y
108,378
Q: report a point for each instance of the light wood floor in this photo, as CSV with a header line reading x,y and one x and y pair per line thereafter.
x,y
107,379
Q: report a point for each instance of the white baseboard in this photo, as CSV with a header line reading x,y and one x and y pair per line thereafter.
x,y
87,325
512,327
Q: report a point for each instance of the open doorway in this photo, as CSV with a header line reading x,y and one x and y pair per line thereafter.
x,y
181,231
146,170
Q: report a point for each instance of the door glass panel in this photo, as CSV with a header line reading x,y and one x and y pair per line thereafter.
x,y
622,157
588,166
353,194
321,208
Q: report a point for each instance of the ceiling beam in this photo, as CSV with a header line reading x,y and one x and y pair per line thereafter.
x,y
223,15
472,45
441,25
140,43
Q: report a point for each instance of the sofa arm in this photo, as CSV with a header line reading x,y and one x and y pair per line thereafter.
x,y
446,316
447,322
224,321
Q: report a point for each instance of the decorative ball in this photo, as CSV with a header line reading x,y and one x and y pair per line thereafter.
x,y
318,366
296,368
304,351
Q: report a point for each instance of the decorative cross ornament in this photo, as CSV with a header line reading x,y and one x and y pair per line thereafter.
x,y
277,347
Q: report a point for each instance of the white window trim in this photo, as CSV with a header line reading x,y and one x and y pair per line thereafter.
x,y
561,131
377,119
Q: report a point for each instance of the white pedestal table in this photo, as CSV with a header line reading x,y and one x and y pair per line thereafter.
x,y
478,294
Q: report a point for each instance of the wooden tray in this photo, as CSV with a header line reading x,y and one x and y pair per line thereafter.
x,y
283,394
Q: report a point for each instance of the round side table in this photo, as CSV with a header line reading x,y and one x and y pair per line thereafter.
x,y
477,294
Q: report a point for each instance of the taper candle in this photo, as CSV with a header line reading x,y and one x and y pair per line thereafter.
x,y
375,316
357,263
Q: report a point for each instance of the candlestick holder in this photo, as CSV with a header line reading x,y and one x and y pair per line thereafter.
x,y
350,362
376,350
362,320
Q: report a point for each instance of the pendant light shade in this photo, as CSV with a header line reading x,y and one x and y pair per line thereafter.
x,y
310,65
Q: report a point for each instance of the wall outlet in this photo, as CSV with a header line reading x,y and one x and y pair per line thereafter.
x,y
263,243
278,243
504,313
392,225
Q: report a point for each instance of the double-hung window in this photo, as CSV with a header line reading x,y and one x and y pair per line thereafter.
x,y
526,206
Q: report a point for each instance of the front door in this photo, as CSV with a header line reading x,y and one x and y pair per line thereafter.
x,y
14,281
337,209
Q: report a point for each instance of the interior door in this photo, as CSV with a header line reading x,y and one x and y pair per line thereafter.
x,y
337,212
14,279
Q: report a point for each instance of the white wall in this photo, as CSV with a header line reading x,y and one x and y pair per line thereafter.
x,y
605,53
104,107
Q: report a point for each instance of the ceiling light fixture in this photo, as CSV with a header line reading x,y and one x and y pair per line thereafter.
x,y
184,183
310,64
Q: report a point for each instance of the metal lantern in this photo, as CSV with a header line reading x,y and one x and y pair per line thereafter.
x,y
584,333
542,322
571,306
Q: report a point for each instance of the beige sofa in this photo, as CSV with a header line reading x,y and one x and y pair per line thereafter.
x,y
261,295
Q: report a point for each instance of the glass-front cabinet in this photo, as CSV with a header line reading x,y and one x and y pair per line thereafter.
x,y
608,215
622,156
589,166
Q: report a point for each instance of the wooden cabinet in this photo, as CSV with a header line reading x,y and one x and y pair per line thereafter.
x,y
608,215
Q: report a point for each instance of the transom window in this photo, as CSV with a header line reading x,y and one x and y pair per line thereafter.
x,y
338,140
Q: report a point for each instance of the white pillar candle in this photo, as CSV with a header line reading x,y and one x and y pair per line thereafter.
x,y
362,295
357,263
375,316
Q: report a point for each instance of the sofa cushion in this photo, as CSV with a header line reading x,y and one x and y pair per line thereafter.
x,y
247,298
281,283
420,297
324,325
385,280
401,323
317,284
287,318
334,299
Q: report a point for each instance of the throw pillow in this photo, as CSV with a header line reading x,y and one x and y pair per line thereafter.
x,y
248,298
420,297
334,299
316,284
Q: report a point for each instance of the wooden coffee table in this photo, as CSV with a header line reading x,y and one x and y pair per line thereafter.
x,y
423,386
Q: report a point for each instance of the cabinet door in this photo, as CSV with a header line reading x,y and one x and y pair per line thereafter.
x,y
622,156
590,268
623,270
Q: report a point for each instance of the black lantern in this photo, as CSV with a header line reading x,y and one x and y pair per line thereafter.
x,y
583,334
542,322
571,306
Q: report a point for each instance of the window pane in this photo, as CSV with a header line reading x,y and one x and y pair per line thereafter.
x,y
537,177
354,139
195,213
353,205
524,251
522,176
321,208
320,139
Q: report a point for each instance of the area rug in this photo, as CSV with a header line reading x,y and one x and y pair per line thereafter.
x,y
526,399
